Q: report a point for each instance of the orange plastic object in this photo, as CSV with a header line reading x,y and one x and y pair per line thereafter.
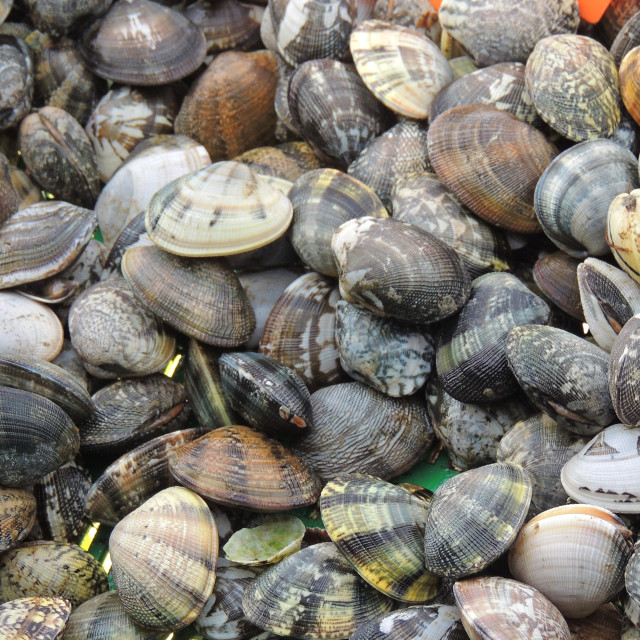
x,y
436,4
592,10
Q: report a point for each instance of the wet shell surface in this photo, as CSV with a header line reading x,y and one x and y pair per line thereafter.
x,y
240,467
622,232
200,297
574,86
17,516
623,367
164,556
555,274
34,618
401,67
474,518
380,528
222,209
312,594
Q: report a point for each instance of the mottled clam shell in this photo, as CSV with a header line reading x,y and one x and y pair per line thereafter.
x,y
623,373
237,466
632,585
16,67
382,352
51,569
609,299
564,375
312,594
573,82
133,234
398,270
201,297
36,437
492,162
556,276
300,331
269,395
627,39
322,200
378,435
141,42
50,17
164,556
401,67
59,156
34,618
380,528
575,555
573,194
17,516
605,471
114,335
622,232
220,210
103,616
492,607
506,30
474,518
276,161
10,199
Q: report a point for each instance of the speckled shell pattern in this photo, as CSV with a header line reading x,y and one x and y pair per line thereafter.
x,y
564,375
380,529
631,599
379,435
315,593
42,618
623,372
470,356
17,516
556,275
474,518
164,556
16,66
467,149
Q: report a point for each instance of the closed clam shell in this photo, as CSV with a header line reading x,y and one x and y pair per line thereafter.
x,y
609,297
556,276
623,367
627,39
491,607
314,593
114,335
282,161
622,232
17,516
468,150
629,82
51,18
200,297
10,194
46,568
41,618
605,623
575,555
141,42
605,471
164,556
397,270
401,67
379,435
506,30
220,210
574,86
322,200
474,518
17,80
43,240
563,375
237,466
573,194
632,586
380,528
36,437
29,327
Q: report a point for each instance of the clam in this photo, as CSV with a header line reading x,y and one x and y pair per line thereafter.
x,y
605,623
17,81
17,516
10,198
556,275
629,82
626,40
622,232
632,585
623,373
42,618
56,20
281,161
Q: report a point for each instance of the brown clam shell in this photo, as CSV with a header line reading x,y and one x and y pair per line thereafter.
x,y
17,516
630,83
556,274
34,618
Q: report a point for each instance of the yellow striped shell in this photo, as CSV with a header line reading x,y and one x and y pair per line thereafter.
x,y
34,618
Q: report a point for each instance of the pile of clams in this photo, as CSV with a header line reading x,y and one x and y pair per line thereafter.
x,y
263,265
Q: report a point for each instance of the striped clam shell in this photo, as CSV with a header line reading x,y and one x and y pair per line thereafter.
x,y
239,467
200,297
623,368
492,162
167,589
564,375
623,232
313,594
17,516
222,209
474,518
631,600
627,39
40,618
573,194
16,66
380,528
573,82
401,67
492,607
555,274
47,568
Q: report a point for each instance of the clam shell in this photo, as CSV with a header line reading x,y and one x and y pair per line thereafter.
x,y
623,373
164,556
622,232
28,192
282,161
10,198
17,81
50,17
632,585
626,40
313,594
605,623
629,81
556,276
40,618
17,516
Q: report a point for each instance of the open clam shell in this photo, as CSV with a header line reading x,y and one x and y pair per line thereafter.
x,y
41,618
17,516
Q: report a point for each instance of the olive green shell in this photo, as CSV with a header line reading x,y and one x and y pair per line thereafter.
x,y
474,518
315,593
17,516
34,618
380,528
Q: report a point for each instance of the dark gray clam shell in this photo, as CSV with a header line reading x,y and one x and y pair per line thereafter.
x,y
624,370
36,437
16,69
50,17
269,395
133,234
378,435
628,37
470,356
564,375
632,586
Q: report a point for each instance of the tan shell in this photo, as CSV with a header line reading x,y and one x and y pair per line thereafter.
x,y
623,232
17,516
34,618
